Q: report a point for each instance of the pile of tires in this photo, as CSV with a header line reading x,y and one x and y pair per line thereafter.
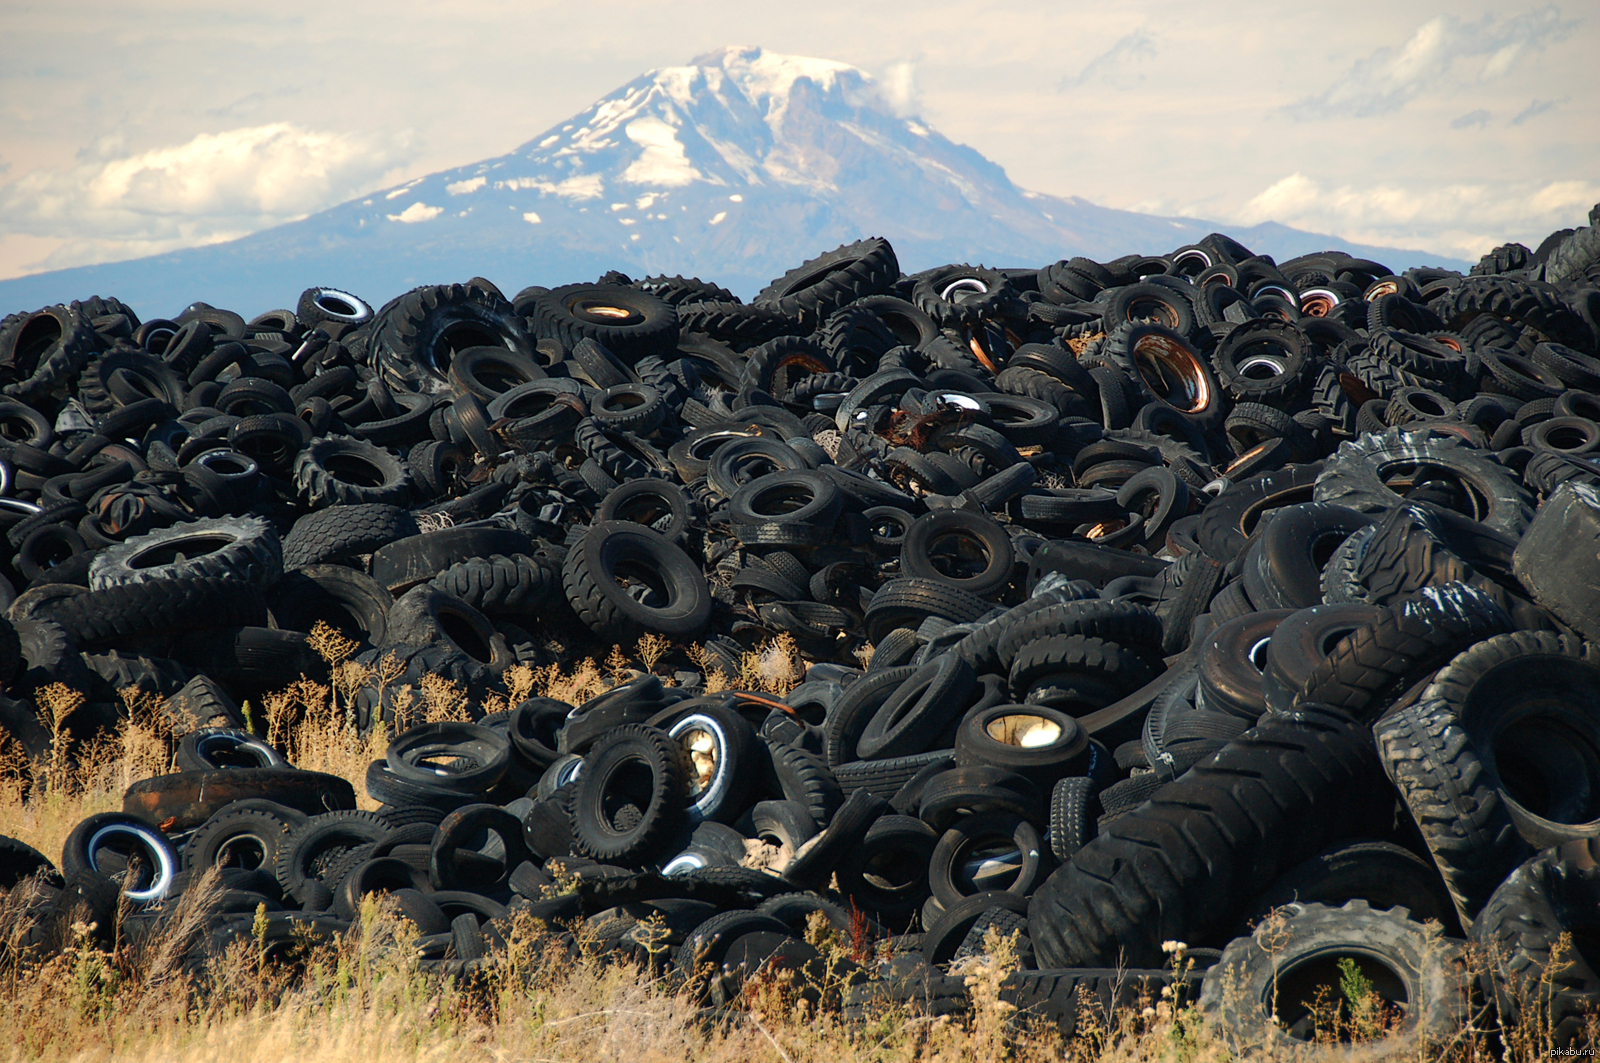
x,y
1209,600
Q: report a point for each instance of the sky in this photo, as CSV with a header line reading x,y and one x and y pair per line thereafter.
x,y
141,126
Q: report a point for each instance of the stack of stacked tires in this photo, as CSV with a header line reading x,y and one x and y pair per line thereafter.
x,y
1203,599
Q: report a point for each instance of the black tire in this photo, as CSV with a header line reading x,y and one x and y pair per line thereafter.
x,y
1458,810
405,883
822,855
1086,999
976,789
891,777
393,792
1360,472
499,586
627,321
785,823
238,548
803,777
415,337
816,288
908,601
246,835
1159,365
678,603
1539,982
996,851
1263,989
1301,642
1126,623
424,616
1232,660
789,508
404,564
710,942
722,752
317,306
168,608
530,415
658,504
951,927
1263,361
1231,518
312,849
919,710
1071,816
967,551
963,294
638,766
486,373
1383,874
349,601
345,471
1036,742
1090,672
44,349
1554,562
459,757
18,861
446,871
187,799
848,719
340,532
1149,877
886,875
126,848
1145,301
1410,638
1283,569
1522,698
214,749
734,322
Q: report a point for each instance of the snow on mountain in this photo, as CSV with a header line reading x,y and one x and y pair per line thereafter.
x,y
734,168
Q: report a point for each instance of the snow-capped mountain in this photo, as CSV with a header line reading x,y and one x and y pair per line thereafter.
x,y
733,168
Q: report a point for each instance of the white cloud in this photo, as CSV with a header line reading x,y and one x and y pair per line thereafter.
x,y
418,211
461,188
1444,52
532,218
898,87
215,187
1463,219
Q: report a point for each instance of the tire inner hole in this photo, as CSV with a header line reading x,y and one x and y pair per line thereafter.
x,y
987,864
463,633
351,469
1309,988
179,550
958,555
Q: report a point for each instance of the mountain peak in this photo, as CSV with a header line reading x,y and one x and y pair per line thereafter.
x,y
735,166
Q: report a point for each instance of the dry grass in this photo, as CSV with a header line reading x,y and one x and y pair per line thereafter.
x,y
365,997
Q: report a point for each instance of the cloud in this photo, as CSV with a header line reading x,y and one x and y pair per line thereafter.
x,y
1140,44
215,187
1444,50
1462,219
898,87
1535,109
1479,118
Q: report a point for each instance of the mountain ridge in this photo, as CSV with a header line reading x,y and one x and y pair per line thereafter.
x,y
733,168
